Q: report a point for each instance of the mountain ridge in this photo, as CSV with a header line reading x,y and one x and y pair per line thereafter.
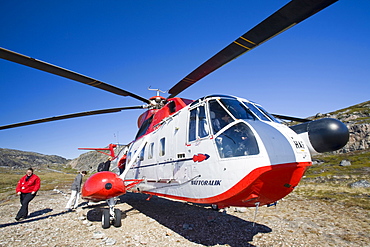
x,y
25,159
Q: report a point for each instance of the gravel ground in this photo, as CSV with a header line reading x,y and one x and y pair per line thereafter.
x,y
295,221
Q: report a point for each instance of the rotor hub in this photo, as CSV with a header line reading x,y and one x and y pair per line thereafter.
x,y
157,102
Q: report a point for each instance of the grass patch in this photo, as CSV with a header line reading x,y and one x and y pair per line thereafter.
x,y
338,193
360,165
330,182
51,180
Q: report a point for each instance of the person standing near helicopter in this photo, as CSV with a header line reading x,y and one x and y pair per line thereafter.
x,y
122,163
75,191
27,188
105,166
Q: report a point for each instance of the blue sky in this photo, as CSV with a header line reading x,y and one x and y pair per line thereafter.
x,y
320,65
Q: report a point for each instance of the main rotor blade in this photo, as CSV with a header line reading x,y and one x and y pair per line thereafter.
x,y
301,120
286,17
74,115
37,64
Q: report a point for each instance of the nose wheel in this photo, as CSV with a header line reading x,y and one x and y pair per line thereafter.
x,y
111,216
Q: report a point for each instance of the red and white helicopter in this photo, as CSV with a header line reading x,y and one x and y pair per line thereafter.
x,y
220,150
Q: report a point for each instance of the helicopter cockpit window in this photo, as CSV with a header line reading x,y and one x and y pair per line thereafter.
x,y
198,124
256,111
267,114
237,141
202,122
237,108
219,117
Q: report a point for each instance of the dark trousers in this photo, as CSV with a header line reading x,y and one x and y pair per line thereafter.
x,y
25,200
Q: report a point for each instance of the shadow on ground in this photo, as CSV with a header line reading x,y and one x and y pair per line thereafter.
x,y
197,223
34,216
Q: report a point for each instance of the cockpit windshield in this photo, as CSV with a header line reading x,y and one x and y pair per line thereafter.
x,y
237,109
236,141
255,110
233,137
267,114
225,110
260,112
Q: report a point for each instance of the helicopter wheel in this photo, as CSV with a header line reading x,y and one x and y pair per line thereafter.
x,y
214,207
117,217
105,219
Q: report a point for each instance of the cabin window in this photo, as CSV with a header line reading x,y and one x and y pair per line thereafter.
x,y
198,124
236,141
192,125
141,155
128,157
150,150
162,144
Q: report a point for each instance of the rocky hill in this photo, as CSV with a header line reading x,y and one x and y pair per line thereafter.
x,y
89,161
22,159
357,119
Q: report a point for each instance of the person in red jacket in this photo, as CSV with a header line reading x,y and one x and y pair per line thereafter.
x,y
122,163
27,188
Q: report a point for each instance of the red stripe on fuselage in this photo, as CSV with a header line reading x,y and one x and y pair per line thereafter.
x,y
264,185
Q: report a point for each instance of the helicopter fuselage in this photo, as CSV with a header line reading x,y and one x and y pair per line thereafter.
x,y
219,150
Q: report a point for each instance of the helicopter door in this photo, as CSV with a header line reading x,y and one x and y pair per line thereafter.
x,y
198,136
198,125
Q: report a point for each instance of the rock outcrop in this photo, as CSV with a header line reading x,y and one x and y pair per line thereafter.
x,y
359,138
357,119
89,161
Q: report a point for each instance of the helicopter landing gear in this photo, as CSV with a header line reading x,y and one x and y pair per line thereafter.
x,y
112,215
105,219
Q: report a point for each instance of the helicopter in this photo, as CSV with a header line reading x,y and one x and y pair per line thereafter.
x,y
219,150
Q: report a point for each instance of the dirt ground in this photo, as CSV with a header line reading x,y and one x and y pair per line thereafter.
x,y
295,221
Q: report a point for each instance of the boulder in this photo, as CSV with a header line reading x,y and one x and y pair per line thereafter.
x,y
345,163
360,184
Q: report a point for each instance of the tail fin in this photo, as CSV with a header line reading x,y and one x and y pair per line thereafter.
x,y
110,148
